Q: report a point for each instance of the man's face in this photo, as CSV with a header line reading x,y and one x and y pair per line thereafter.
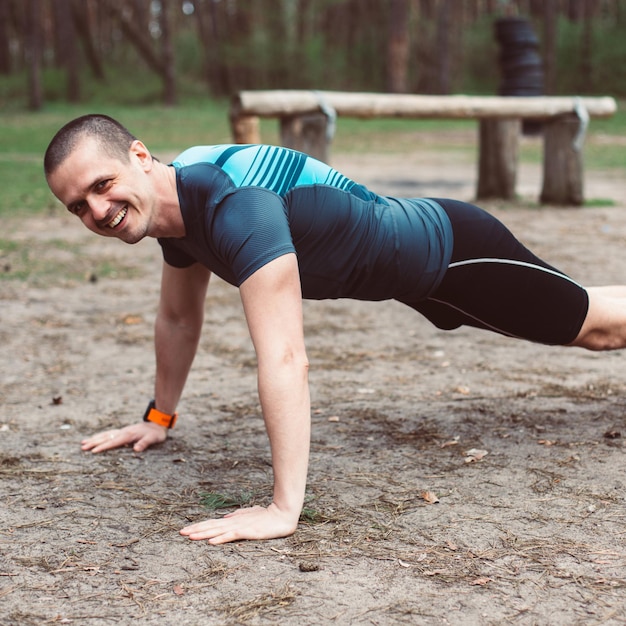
x,y
112,197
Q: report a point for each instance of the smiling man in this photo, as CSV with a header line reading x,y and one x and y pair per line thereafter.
x,y
281,226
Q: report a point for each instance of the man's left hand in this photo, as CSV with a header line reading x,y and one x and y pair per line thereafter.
x,y
251,523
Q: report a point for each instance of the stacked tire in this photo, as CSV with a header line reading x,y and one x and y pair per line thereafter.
x,y
521,66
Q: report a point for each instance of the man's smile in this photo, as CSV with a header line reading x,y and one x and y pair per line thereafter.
x,y
118,218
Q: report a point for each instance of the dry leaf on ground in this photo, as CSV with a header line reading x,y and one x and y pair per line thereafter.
x,y
473,455
430,497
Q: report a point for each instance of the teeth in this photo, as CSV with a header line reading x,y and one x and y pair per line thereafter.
x,y
118,218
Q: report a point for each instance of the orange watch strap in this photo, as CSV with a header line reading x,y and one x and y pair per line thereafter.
x,y
155,416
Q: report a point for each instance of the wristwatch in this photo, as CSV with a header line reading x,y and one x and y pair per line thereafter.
x,y
153,414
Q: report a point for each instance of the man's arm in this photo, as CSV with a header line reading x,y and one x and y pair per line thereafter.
x,y
177,332
272,301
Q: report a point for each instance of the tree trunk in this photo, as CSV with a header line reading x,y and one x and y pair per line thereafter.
x,y
170,95
67,52
206,41
304,20
574,10
444,52
427,9
141,13
398,47
549,47
586,48
83,24
490,6
536,8
140,39
33,48
5,52
212,30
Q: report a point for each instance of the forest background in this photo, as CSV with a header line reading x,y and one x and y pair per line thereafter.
x,y
149,51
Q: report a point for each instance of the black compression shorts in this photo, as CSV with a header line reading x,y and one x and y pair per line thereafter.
x,y
494,282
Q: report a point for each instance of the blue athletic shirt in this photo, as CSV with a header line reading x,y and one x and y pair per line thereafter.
x,y
246,205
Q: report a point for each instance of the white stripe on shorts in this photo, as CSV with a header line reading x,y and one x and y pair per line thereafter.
x,y
513,262
503,262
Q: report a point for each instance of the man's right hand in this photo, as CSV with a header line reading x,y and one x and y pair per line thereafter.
x,y
142,435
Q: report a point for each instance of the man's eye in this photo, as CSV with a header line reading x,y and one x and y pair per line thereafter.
x,y
77,209
102,185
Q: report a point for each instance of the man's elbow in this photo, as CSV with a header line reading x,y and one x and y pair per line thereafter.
x,y
291,359
298,358
187,322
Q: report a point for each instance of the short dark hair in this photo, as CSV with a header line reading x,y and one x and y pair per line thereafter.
x,y
114,139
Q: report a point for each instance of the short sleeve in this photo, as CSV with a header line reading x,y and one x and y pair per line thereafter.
x,y
251,229
174,256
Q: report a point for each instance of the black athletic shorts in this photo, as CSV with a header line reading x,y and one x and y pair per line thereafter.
x,y
494,282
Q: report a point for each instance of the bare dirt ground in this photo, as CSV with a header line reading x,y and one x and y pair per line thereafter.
x,y
532,533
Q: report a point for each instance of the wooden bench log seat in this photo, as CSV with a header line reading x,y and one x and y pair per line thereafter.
x,y
307,120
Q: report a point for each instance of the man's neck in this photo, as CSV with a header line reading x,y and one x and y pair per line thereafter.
x,y
169,221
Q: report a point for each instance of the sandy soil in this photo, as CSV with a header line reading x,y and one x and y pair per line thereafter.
x,y
532,533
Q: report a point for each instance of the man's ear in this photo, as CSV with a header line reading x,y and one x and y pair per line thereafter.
x,y
142,154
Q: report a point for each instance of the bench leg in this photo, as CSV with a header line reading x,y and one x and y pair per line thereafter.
x,y
498,156
306,133
562,162
245,129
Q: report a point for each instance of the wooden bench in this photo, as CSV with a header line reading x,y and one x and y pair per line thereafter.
x,y
307,123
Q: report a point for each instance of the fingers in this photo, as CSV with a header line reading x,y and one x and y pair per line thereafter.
x,y
221,530
147,434
249,523
143,435
214,535
149,439
105,440
215,531
142,444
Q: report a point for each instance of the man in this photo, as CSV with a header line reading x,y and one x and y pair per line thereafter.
x,y
281,226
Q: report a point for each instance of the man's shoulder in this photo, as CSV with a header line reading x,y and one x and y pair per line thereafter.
x,y
201,154
201,179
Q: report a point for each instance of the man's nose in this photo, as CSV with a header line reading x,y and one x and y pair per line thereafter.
x,y
99,207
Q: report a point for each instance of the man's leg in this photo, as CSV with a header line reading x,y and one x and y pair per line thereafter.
x,y
604,327
496,283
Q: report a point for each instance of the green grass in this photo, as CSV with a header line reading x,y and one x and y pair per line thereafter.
x,y
311,516
167,131
25,136
54,262
24,188
599,203
215,501
605,157
401,136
